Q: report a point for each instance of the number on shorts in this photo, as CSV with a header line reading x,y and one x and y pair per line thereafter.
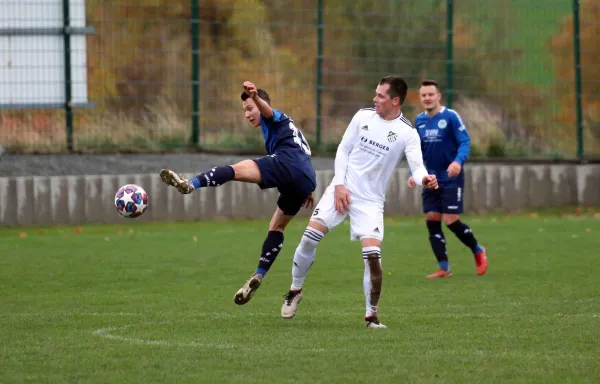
x,y
316,212
299,139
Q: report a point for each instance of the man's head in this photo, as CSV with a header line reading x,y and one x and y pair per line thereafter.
x,y
430,95
389,96
251,111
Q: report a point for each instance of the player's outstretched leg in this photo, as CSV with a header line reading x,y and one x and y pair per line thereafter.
x,y
246,171
212,178
438,245
465,235
372,283
303,260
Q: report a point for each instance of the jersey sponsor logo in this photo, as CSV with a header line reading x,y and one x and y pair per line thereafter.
x,y
442,124
432,132
380,146
364,128
392,136
368,141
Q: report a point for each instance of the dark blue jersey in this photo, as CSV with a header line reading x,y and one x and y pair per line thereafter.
x,y
284,140
444,139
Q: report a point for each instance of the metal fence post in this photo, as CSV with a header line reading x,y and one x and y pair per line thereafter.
x,y
195,11
68,76
449,51
320,27
577,57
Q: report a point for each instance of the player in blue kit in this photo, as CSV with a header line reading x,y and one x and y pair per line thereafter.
x,y
287,167
445,144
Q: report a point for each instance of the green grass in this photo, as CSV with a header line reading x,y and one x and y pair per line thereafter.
x,y
146,303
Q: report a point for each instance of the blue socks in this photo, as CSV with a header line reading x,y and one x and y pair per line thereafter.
x,y
213,178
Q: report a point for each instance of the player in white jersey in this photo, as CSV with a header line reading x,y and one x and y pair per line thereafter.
x,y
368,154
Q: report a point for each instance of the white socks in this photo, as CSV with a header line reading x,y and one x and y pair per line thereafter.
x,y
372,279
305,256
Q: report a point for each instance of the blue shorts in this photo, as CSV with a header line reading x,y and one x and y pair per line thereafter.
x,y
446,199
293,184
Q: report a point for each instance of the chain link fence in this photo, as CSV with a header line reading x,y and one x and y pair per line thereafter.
x,y
158,75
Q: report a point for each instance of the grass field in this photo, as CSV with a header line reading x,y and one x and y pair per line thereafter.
x,y
154,303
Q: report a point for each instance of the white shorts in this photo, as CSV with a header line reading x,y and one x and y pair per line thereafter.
x,y
366,218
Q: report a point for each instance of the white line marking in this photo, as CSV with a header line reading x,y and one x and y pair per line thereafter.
x,y
106,333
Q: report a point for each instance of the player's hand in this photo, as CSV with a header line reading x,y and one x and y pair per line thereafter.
x,y
454,169
309,203
342,199
250,89
430,182
411,182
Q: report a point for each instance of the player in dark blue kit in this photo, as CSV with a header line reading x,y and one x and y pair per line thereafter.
x,y
287,167
445,144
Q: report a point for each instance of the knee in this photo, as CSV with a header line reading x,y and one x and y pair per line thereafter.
x,y
434,216
449,220
277,226
279,221
310,239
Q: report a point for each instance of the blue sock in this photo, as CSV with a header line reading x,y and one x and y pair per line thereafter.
x,y
261,271
214,177
271,247
444,265
477,249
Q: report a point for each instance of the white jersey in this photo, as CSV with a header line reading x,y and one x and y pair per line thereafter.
x,y
370,151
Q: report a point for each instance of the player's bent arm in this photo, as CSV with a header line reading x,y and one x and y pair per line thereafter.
x,y
414,157
463,139
265,109
342,155
464,148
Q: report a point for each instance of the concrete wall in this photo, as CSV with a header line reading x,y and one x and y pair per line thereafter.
x,y
39,200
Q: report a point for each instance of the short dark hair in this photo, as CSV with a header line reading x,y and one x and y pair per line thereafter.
x,y
398,87
261,93
428,82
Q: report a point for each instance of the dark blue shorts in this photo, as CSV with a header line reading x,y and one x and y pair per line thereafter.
x,y
445,199
293,184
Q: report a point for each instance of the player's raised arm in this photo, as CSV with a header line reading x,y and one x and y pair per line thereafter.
x,y
414,157
263,106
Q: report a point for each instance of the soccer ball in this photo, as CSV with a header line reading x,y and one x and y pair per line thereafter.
x,y
131,201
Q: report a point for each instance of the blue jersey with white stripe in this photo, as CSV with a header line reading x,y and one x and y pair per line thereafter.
x,y
444,139
284,140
